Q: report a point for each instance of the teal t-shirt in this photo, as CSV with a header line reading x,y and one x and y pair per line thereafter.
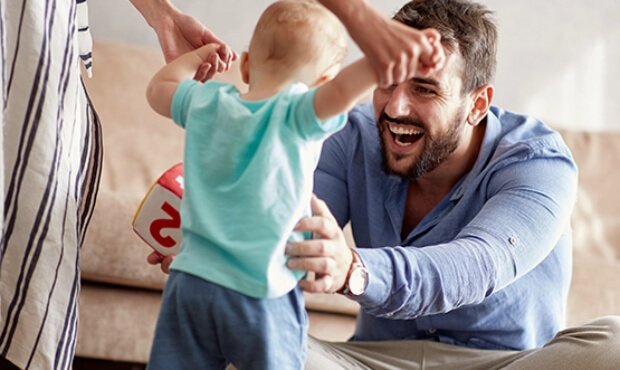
x,y
248,170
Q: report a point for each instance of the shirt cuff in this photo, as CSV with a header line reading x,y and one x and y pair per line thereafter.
x,y
379,288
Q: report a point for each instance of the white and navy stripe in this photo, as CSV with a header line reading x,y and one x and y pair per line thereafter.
x,y
50,169
84,38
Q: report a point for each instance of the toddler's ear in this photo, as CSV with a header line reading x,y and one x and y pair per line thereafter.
x,y
321,80
327,75
245,67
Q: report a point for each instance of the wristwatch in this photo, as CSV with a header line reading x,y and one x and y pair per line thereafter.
x,y
357,278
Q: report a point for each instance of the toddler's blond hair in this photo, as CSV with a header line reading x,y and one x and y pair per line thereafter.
x,y
293,34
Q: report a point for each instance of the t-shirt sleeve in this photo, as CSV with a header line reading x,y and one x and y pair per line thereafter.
x,y
308,125
182,100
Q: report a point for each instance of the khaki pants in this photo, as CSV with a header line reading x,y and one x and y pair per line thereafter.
x,y
594,345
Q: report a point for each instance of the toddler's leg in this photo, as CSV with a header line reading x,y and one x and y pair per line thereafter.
x,y
264,333
186,336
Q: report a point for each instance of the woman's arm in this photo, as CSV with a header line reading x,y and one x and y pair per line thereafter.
x,y
177,32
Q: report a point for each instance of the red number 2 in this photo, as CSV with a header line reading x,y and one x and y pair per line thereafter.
x,y
166,223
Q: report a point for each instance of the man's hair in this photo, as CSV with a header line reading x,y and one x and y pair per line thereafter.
x,y
297,32
465,27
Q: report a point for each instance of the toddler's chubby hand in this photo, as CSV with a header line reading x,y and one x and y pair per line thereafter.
x,y
158,259
436,60
218,60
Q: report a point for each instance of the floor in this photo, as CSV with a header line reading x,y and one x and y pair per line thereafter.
x,y
90,364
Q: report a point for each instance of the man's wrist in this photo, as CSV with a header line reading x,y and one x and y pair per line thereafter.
x,y
356,282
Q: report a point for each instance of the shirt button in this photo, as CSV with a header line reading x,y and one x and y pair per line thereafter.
x,y
432,330
513,240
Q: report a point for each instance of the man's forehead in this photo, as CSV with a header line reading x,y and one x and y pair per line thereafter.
x,y
448,75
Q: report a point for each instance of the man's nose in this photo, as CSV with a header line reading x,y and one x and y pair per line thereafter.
x,y
399,103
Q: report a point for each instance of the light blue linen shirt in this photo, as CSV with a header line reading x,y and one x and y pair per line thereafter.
x,y
490,266
248,178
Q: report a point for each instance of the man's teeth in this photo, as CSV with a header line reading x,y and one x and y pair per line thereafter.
x,y
400,130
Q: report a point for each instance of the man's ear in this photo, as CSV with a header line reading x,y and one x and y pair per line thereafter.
x,y
245,67
483,99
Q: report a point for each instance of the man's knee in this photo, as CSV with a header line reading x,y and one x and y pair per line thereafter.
x,y
612,322
609,326
600,329
601,336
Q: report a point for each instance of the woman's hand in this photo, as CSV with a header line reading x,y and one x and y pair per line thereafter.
x,y
180,33
177,32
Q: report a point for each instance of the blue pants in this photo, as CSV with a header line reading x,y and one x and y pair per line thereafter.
x,y
205,326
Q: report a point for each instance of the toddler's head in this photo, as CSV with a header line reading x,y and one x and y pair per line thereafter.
x,y
298,39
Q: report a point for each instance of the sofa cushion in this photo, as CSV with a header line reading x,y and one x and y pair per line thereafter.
x,y
117,323
139,144
595,289
596,218
112,252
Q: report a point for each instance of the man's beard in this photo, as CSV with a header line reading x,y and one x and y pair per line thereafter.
x,y
436,150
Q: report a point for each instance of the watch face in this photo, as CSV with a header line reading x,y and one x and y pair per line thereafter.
x,y
358,281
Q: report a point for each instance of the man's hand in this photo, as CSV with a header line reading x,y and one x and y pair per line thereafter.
x,y
158,259
329,257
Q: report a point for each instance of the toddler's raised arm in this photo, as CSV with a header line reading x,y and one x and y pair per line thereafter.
x,y
204,60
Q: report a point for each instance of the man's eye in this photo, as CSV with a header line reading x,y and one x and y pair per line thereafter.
x,y
424,90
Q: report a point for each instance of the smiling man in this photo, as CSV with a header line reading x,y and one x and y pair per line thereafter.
x,y
461,214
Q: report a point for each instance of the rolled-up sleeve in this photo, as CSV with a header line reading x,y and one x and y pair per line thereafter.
x,y
529,200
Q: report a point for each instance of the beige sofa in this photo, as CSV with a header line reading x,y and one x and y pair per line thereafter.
x,y
121,293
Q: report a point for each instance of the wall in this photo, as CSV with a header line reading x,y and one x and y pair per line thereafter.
x,y
557,59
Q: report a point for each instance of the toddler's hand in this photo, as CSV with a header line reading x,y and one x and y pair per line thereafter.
x,y
158,259
436,60
217,62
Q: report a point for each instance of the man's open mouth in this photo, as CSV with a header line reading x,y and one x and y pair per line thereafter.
x,y
405,135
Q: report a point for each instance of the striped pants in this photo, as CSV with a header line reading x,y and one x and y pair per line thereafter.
x,y
49,172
